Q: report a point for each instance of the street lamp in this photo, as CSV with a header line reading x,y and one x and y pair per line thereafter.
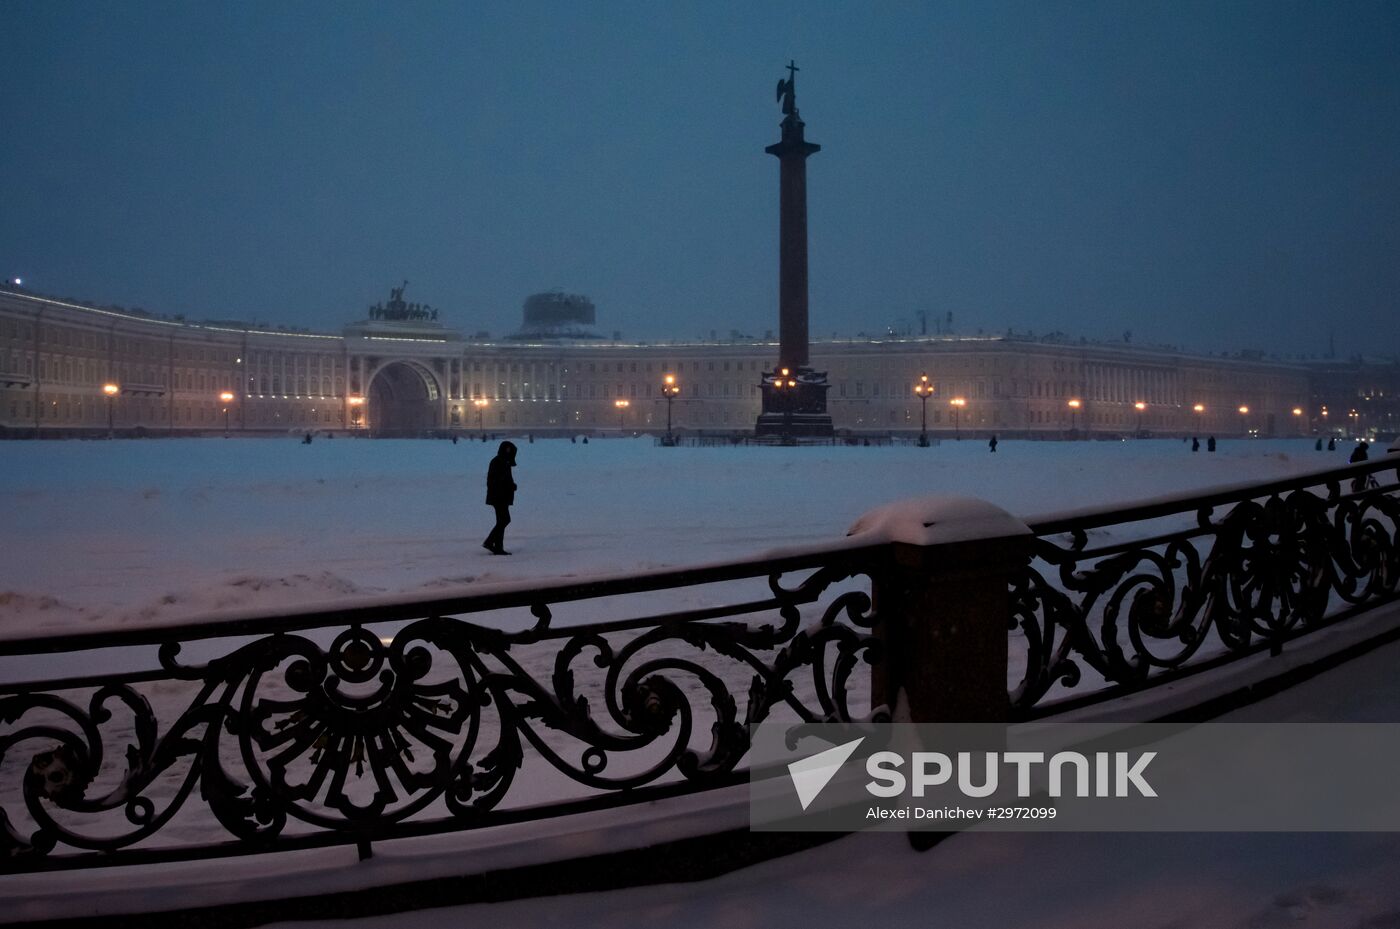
x,y
957,403
355,404
1074,404
669,388
922,389
1244,412
111,390
227,398
1139,406
481,405
622,406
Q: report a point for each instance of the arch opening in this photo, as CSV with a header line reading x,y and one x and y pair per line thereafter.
x,y
403,401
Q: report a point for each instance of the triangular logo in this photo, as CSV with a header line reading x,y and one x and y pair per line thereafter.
x,y
811,775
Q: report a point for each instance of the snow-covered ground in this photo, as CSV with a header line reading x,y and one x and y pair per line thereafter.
x,y
105,533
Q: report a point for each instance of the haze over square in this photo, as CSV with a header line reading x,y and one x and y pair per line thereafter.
x,y
1219,177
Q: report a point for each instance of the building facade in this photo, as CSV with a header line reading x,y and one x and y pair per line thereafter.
x,y
71,369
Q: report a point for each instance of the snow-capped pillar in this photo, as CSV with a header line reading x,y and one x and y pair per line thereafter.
x,y
943,600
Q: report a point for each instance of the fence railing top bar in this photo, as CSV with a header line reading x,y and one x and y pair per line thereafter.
x,y
397,608
1188,501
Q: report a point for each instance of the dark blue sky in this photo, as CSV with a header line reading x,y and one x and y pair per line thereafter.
x,y
1215,174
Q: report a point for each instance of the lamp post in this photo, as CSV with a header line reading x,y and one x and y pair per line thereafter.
x,y
669,389
1139,406
355,404
1074,404
922,390
226,397
481,405
1298,420
1244,417
622,406
957,403
111,390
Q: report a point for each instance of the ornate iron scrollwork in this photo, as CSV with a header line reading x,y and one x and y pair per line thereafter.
x,y
429,729
1268,569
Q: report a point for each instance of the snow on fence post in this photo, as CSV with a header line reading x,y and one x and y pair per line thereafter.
x,y
944,607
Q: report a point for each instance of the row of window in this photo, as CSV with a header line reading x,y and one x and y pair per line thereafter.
x,y
21,334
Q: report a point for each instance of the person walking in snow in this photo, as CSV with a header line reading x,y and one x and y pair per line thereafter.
x,y
1359,454
1210,444
500,494
1195,444
993,444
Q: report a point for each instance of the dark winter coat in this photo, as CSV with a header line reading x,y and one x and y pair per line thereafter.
x,y
500,487
1359,454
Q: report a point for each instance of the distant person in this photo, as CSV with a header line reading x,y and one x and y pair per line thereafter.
x,y
1332,444
993,445
1195,444
307,440
1317,446
1210,444
454,440
500,494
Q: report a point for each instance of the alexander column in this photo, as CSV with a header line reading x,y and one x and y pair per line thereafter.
x,y
794,396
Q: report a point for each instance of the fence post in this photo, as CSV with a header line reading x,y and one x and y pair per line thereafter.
x,y
944,608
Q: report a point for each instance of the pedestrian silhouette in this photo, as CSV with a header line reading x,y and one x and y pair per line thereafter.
x,y
1359,454
307,440
500,494
993,444
1195,444
1210,444
1318,445
1332,444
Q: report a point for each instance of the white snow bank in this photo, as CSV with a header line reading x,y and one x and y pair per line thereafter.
x,y
936,521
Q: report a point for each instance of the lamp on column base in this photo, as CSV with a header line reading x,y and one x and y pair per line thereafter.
x,y
794,404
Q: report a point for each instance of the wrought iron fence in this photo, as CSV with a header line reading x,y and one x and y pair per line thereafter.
x,y
353,726
1183,584
404,718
